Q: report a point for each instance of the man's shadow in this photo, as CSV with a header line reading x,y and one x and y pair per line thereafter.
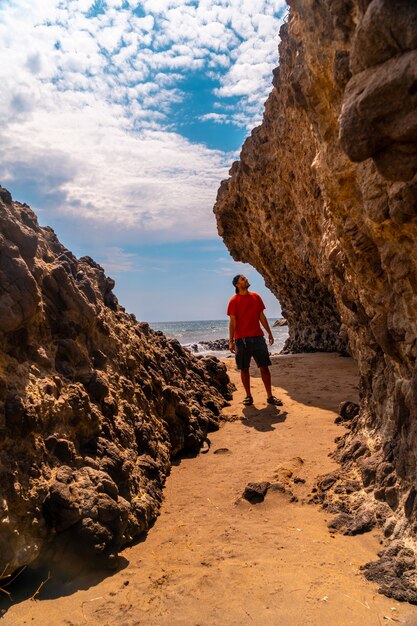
x,y
264,419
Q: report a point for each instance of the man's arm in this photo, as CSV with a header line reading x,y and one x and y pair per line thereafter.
x,y
265,324
232,328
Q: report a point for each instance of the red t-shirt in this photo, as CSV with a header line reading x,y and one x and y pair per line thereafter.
x,y
247,310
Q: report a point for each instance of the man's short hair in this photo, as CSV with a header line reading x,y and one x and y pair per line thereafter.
x,y
235,281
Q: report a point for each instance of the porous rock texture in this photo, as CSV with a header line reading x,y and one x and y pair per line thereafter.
x,y
93,404
323,202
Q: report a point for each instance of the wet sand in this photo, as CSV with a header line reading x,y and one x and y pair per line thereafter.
x,y
212,558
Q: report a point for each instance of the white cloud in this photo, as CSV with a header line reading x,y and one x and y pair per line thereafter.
x,y
86,104
219,118
115,261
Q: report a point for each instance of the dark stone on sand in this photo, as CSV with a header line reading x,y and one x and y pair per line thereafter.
x,y
255,492
298,479
394,571
222,451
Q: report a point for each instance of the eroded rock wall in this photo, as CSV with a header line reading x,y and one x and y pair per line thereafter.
x,y
323,202
93,404
272,212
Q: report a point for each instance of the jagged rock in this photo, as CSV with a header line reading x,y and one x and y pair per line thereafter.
x,y
395,573
325,194
356,448
348,410
324,483
389,526
216,345
93,404
255,492
368,468
348,486
353,524
280,322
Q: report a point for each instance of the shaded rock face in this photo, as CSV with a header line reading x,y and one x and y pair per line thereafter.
x,y
379,115
323,202
93,404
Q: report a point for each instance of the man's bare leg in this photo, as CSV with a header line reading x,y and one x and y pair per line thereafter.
x,y
266,379
245,376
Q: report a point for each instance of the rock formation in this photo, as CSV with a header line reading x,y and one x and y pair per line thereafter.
x,y
215,345
281,322
325,195
93,404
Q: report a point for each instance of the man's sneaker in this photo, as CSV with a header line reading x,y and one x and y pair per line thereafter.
x,y
248,401
275,401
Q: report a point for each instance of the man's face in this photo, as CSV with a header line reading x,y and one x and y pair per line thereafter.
x,y
243,283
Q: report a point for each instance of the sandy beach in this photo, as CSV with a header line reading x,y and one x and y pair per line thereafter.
x,y
212,558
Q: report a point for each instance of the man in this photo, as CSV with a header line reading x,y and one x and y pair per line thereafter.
x,y
246,338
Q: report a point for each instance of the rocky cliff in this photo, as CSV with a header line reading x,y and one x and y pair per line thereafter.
x,y
93,404
323,202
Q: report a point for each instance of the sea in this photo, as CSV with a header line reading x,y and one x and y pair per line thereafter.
x,y
191,334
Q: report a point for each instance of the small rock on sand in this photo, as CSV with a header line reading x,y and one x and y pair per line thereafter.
x,y
255,492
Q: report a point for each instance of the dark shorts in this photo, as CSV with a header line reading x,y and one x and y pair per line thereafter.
x,y
249,347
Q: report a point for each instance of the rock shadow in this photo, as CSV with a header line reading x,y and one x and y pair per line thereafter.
x,y
263,420
188,454
327,374
50,581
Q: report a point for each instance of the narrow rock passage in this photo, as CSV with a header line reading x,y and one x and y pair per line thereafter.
x,y
213,558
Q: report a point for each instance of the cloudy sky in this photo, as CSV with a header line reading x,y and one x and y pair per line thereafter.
x,y
119,119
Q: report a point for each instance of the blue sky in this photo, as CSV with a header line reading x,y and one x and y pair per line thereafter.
x,y
120,119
